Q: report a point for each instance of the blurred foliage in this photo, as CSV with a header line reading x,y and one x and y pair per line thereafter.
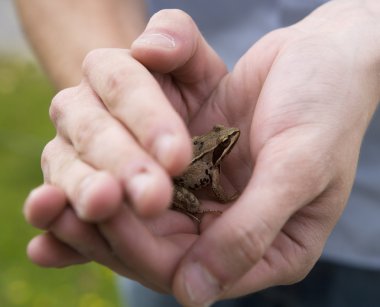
x,y
24,129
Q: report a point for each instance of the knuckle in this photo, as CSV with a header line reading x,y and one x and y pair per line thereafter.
x,y
250,245
315,173
116,85
296,272
59,102
91,59
114,77
173,15
298,262
149,128
47,153
68,227
87,131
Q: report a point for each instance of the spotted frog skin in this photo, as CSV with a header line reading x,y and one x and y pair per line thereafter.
x,y
208,152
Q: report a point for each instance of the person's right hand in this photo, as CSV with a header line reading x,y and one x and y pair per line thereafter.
x,y
295,137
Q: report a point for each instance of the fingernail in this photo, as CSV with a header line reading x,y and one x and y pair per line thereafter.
x,y
138,186
164,149
202,288
156,39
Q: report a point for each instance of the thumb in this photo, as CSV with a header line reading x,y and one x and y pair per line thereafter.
x,y
232,246
172,43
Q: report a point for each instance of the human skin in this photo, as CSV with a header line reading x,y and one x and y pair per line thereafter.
x,y
302,97
63,32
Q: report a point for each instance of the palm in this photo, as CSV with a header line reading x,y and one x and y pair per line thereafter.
x,y
275,138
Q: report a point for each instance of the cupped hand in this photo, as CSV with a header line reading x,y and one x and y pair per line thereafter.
x,y
302,98
120,137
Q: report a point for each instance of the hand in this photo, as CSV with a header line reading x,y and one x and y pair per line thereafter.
x,y
302,97
303,139
302,136
74,162
147,253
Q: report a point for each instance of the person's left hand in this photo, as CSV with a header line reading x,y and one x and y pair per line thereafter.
x,y
87,187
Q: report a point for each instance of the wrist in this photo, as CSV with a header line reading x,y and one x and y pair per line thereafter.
x,y
352,27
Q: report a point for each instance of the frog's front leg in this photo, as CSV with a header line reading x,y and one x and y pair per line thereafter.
x,y
217,188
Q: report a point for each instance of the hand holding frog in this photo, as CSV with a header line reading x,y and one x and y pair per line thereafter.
x,y
75,163
302,118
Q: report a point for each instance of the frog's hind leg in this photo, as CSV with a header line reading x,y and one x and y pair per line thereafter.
x,y
186,202
194,216
197,216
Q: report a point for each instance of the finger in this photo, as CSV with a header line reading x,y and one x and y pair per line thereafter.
x,y
104,143
43,205
242,235
95,195
133,96
172,43
284,263
72,241
85,239
170,223
154,258
45,250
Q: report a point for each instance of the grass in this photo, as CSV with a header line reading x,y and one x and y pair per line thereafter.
x,y
24,129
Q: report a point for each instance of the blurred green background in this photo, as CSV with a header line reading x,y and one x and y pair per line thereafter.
x,y
24,129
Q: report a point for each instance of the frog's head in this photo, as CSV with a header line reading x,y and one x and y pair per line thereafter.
x,y
227,138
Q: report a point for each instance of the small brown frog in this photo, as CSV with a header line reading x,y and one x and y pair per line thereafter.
x,y
208,152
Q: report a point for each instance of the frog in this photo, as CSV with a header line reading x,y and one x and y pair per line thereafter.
x,y
209,150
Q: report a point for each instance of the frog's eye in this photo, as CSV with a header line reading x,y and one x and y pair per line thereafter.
x,y
225,143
